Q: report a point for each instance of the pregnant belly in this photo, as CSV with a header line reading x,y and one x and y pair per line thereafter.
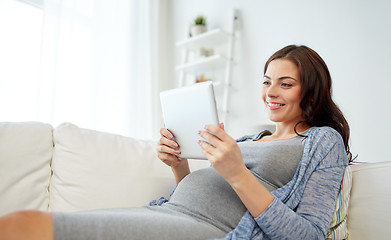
x,y
207,196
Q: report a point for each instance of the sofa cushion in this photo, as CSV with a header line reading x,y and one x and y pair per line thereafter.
x,y
25,155
93,170
370,198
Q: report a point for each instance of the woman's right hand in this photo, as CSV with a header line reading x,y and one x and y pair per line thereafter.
x,y
168,149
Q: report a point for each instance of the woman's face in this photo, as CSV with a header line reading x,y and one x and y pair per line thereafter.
x,y
281,92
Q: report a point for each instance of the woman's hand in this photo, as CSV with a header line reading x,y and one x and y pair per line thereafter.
x,y
223,152
168,151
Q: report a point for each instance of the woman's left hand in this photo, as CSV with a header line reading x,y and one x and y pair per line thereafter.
x,y
223,152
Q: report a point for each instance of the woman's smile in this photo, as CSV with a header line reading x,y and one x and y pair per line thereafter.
x,y
274,106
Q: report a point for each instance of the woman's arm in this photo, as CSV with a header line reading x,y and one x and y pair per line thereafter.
x,y
167,152
252,193
226,158
181,171
312,217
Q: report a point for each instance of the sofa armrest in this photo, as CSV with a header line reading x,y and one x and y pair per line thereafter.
x,y
25,155
369,208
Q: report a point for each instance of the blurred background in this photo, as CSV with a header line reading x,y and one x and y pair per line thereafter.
x,y
101,64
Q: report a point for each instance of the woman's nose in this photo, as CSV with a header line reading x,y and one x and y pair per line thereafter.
x,y
272,91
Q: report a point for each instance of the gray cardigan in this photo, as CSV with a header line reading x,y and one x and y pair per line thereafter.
x,y
302,209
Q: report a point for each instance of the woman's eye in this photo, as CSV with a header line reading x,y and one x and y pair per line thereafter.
x,y
266,83
286,84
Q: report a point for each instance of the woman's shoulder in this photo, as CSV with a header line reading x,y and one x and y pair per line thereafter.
x,y
321,140
325,133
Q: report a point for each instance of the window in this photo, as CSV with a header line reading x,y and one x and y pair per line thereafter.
x,y
21,33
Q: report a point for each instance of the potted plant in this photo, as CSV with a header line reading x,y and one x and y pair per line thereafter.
x,y
199,26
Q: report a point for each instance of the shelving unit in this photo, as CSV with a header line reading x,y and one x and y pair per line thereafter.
x,y
216,38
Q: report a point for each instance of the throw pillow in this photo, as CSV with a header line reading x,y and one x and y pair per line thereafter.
x,y
338,227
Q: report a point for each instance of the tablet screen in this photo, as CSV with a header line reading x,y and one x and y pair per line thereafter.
x,y
186,110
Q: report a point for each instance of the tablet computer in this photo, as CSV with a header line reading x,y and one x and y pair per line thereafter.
x,y
186,110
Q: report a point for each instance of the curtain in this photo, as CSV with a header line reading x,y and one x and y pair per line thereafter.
x,y
103,65
20,41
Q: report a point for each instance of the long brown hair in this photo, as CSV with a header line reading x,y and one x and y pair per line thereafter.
x,y
316,102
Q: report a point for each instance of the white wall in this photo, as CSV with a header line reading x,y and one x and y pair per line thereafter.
x,y
353,37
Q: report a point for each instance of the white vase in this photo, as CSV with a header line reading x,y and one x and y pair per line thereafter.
x,y
197,29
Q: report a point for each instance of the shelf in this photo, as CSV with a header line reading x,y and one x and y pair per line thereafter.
x,y
203,64
208,39
219,65
215,84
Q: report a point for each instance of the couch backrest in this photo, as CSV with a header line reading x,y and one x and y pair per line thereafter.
x,y
25,155
93,170
86,169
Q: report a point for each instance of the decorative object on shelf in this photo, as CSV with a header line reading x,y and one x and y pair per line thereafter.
x,y
205,52
202,78
199,26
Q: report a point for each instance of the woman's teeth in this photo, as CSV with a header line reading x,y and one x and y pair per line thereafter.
x,y
275,104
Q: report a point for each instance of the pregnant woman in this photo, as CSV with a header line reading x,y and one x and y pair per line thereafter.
x,y
280,185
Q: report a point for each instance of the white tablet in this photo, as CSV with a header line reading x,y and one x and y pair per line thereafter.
x,y
186,110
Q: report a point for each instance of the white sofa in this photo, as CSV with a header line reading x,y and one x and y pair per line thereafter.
x,y
68,168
